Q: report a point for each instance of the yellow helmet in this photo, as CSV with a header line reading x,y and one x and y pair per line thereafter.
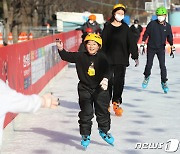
x,y
93,37
119,5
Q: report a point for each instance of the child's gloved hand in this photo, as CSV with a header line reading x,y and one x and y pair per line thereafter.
x,y
49,101
59,44
104,83
173,50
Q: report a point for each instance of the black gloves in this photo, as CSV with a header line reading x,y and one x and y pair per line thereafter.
x,y
173,50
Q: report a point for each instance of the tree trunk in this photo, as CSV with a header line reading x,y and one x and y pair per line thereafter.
x,y
6,19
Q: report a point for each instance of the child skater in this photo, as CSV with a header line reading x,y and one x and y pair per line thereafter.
x,y
93,73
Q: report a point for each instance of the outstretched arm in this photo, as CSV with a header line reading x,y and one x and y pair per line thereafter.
x,y
71,57
12,101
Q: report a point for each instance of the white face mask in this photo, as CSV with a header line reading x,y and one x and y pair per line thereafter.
x,y
119,17
91,22
161,18
136,25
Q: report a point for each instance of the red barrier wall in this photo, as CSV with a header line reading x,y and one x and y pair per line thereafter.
x,y
30,65
176,34
175,31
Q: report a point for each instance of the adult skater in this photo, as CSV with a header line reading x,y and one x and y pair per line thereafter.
x,y
157,32
118,44
91,23
136,29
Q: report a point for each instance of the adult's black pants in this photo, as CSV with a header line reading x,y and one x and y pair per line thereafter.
x,y
149,63
116,83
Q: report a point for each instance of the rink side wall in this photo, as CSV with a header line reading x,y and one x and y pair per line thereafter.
x,y
28,66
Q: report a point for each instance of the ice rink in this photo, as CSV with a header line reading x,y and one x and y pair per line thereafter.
x,y
150,117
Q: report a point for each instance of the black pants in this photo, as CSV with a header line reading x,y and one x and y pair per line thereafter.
x,y
116,83
91,100
161,57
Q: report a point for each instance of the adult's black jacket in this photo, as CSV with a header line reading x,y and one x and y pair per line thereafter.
x,y
136,31
158,33
118,44
83,60
95,27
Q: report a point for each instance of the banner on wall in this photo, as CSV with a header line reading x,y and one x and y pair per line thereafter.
x,y
27,70
42,60
37,64
176,34
30,65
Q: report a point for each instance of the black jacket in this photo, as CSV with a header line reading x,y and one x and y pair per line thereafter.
x,y
158,34
95,27
83,60
118,44
136,31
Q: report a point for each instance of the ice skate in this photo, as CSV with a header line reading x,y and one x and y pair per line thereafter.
x,y
164,87
107,137
85,141
117,109
145,82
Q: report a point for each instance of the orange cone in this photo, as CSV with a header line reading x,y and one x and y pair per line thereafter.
x,y
20,38
48,26
30,36
25,36
10,39
1,40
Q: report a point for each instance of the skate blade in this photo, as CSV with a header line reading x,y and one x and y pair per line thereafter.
x,y
144,86
84,148
118,115
166,91
112,144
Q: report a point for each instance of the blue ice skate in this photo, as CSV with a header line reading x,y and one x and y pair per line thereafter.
x,y
145,82
164,87
85,141
107,137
